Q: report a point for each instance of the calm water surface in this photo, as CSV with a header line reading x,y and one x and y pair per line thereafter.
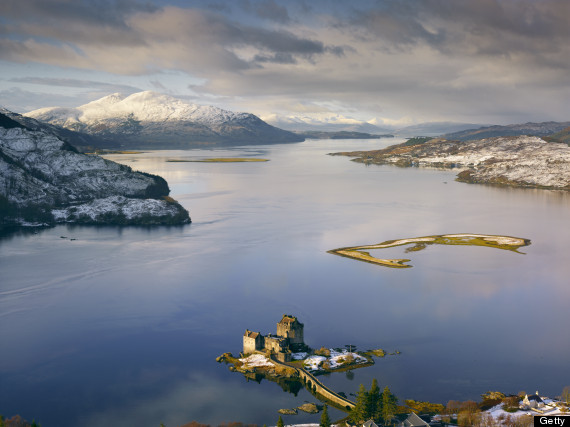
x,y
122,325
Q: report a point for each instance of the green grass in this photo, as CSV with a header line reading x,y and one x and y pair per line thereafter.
x,y
420,243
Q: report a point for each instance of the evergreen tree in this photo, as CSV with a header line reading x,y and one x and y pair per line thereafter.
x,y
325,420
280,422
389,402
359,413
373,400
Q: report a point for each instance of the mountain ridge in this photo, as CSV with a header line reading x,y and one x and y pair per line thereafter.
x,y
152,120
530,128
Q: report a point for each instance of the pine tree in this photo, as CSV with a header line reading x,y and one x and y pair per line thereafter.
x,y
359,413
372,400
280,422
389,402
325,420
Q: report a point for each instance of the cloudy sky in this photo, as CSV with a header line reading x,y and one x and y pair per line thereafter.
x,y
385,61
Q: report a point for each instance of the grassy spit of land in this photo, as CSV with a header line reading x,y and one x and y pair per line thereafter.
x,y
493,241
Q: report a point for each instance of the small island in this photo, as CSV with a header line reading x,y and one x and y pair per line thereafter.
x,y
360,252
284,358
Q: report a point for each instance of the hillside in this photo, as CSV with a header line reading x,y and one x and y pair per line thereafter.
x,y
521,161
531,129
153,121
79,140
44,180
562,136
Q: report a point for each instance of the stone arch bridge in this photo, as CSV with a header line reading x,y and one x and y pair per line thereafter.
x,y
312,384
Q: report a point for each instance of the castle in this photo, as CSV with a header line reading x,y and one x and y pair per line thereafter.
x,y
289,338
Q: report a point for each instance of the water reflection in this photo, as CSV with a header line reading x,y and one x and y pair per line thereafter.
x,y
122,325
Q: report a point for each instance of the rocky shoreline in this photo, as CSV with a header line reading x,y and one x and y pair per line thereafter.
x,y
45,181
519,161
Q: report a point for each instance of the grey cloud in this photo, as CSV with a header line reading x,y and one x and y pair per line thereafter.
x,y
22,101
278,58
397,24
68,21
87,84
485,27
269,9
90,12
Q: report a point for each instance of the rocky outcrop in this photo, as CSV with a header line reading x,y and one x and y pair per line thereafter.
x,y
522,161
44,179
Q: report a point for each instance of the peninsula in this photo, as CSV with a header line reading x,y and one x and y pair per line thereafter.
x,y
517,161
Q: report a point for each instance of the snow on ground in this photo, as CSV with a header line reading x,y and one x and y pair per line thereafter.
x,y
312,362
299,356
256,360
335,360
498,413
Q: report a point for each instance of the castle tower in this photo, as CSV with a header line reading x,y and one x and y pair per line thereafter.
x,y
252,341
290,327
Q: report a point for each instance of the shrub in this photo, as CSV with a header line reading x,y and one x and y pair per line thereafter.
x,y
323,352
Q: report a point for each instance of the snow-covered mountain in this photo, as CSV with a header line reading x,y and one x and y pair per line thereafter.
x,y
152,120
325,123
338,123
44,179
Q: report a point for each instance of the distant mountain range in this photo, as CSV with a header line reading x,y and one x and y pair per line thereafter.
x,y
152,120
329,123
531,129
337,123
343,134
434,128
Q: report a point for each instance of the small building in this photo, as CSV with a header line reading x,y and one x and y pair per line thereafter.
x,y
413,420
533,401
369,423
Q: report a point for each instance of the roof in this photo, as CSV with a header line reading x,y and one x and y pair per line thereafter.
x,y
414,421
534,397
369,423
251,334
288,319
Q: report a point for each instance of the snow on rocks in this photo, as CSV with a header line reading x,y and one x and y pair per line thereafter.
x,y
523,161
41,172
256,361
119,209
336,360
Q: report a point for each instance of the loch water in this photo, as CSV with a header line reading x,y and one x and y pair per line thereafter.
x,y
111,326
